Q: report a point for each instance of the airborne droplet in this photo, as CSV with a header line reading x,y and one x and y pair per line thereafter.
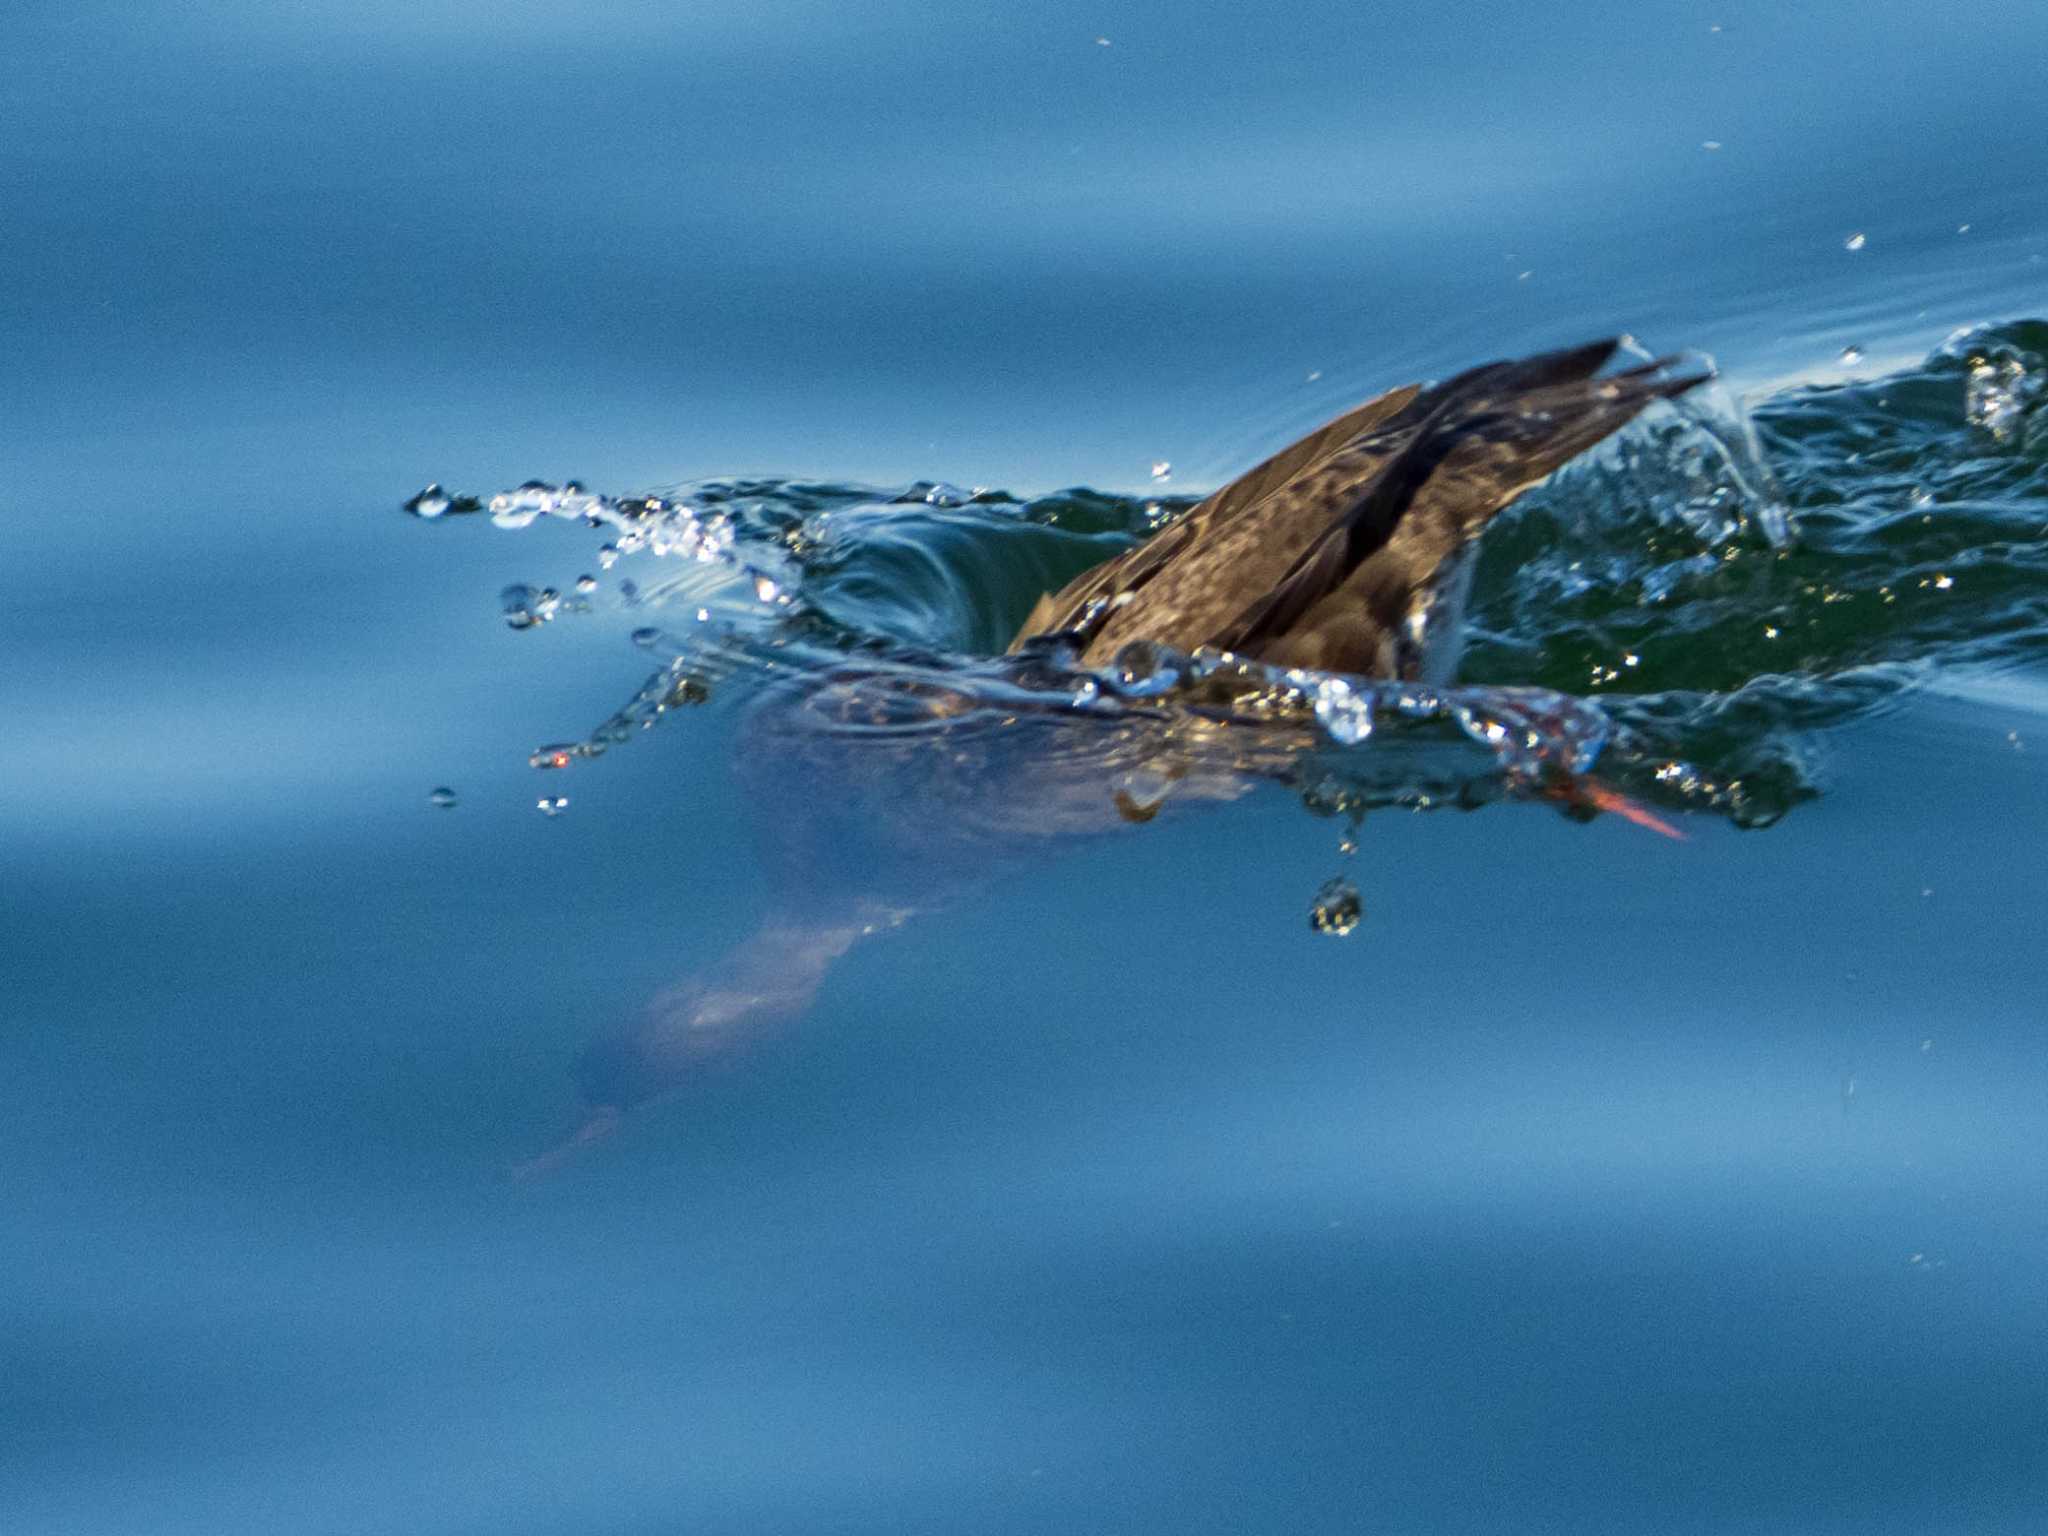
x,y
442,799
431,502
518,509
1337,908
1998,389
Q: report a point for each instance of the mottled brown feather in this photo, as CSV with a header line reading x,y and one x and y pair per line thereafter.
x,y
1327,554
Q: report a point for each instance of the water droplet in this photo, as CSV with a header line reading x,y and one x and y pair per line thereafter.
x,y
944,495
1999,388
1161,470
1523,277
1854,242
559,754
518,509
1091,614
527,606
1145,668
1962,229
1851,356
1343,712
607,556
766,589
573,501
647,639
1337,908
1710,144
1102,42
586,585
551,805
442,799
431,502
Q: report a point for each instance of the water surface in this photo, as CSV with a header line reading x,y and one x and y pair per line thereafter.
x,y
1595,1181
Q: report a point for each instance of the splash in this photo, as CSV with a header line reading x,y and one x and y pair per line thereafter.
x,y
1692,609
1913,524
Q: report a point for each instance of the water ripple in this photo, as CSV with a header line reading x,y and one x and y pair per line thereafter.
x,y
1693,608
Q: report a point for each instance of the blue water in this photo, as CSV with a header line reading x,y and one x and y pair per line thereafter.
x,y
1596,1183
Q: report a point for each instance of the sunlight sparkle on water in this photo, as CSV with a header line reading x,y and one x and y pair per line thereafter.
x,y
1343,712
2001,384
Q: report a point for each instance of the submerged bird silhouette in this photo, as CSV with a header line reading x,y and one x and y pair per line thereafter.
x,y
1348,551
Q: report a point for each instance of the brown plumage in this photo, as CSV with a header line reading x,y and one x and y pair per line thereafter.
x,y
1349,550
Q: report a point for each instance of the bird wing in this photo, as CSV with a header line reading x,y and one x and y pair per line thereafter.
x,y
1319,555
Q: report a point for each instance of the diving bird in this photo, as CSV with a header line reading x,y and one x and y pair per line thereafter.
x,y
1351,550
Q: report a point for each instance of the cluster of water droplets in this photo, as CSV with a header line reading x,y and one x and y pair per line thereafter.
x,y
732,594
2001,388
653,523
1532,734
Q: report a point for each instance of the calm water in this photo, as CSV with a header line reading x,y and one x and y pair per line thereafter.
x,y
1596,1182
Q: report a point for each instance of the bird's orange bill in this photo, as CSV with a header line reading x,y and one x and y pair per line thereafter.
x,y
1598,795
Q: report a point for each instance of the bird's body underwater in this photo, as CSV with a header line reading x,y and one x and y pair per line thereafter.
x,y
1347,552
